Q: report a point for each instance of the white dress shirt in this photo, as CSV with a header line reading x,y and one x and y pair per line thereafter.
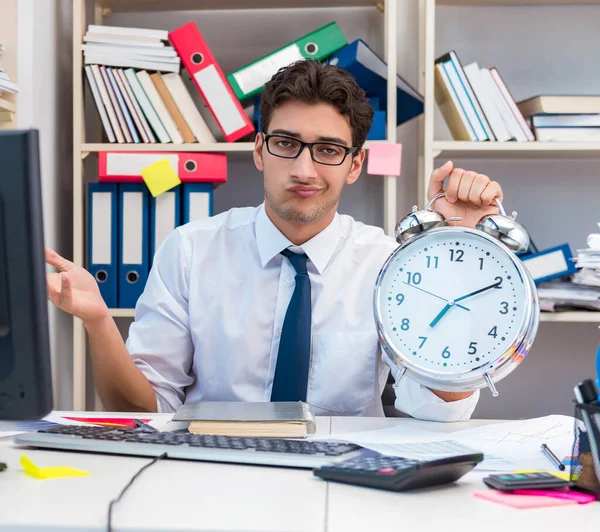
x,y
208,324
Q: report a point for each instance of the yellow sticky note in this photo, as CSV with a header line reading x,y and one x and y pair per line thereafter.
x,y
160,177
45,473
560,474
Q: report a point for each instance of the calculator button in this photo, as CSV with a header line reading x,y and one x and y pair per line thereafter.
x,y
520,477
386,471
506,477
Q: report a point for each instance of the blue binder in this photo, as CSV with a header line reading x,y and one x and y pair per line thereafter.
x,y
377,131
197,201
165,216
133,242
370,72
102,239
550,263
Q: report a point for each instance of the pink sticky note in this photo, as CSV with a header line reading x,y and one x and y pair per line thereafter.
x,y
384,159
581,498
522,501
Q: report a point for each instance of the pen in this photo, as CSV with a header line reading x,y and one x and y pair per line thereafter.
x,y
144,426
552,457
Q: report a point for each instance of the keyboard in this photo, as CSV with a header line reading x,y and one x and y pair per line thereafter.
x,y
186,446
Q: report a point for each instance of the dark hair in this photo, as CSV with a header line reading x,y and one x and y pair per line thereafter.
x,y
311,82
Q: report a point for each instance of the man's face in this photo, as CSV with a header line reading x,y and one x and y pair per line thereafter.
x,y
302,191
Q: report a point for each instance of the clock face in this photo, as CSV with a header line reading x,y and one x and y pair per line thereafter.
x,y
451,302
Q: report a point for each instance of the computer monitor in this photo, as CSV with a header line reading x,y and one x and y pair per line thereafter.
x,y
25,376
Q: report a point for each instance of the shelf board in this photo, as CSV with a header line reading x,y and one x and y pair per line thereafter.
x,y
122,312
139,6
224,147
516,150
571,317
566,317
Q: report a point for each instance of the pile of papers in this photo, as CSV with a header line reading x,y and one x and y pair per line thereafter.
x,y
507,446
589,261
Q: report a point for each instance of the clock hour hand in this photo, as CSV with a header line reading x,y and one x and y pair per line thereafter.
x,y
434,295
484,289
448,306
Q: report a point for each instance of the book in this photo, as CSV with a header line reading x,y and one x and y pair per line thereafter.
x,y
260,419
567,134
159,106
451,109
473,73
180,123
162,35
100,105
465,91
511,103
188,108
559,105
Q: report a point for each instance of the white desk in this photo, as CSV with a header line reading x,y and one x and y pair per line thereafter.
x,y
183,496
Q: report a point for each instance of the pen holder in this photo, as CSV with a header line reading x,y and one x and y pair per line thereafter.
x,y
585,461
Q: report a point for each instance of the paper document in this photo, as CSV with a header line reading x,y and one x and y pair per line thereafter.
x,y
506,446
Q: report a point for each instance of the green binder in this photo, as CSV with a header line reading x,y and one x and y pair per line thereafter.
x,y
248,81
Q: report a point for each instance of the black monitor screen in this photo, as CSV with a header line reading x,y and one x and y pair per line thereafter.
x,y
25,377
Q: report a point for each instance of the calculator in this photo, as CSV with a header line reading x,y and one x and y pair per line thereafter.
x,y
526,481
394,473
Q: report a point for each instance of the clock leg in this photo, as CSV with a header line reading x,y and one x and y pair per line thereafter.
x,y
490,384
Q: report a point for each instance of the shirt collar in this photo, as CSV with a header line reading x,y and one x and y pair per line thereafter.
x,y
271,241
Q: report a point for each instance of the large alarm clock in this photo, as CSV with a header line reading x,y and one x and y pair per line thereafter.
x,y
455,308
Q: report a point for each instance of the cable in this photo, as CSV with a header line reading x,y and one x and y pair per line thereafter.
x,y
115,501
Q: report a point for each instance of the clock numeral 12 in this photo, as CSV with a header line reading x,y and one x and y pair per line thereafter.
x,y
456,255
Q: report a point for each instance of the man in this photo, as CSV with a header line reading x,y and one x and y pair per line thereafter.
x,y
272,302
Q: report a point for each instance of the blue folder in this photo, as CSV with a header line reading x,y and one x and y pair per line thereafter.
x,y
370,72
133,242
550,263
103,239
197,201
165,216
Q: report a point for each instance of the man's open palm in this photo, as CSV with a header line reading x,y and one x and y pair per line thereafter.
x,y
73,289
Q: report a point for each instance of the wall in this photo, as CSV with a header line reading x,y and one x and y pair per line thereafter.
x,y
44,103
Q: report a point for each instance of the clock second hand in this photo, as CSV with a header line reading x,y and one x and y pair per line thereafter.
x,y
434,295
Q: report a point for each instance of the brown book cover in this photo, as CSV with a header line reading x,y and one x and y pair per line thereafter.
x,y
457,122
171,106
260,419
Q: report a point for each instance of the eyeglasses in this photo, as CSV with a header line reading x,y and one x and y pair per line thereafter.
x,y
321,152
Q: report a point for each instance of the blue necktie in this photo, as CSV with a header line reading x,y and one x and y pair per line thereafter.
x,y
291,373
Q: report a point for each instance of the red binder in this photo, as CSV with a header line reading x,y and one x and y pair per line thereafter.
x,y
211,82
126,167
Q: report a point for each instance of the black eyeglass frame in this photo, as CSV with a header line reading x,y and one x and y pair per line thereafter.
x,y
309,145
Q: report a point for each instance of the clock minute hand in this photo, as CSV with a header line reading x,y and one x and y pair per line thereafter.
x,y
434,295
484,289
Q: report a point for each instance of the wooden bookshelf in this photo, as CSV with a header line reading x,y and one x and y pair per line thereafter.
x,y
86,151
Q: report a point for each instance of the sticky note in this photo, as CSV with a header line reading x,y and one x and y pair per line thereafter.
x,y
160,177
384,159
521,501
46,473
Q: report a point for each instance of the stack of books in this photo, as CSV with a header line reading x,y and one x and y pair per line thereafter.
x,y
476,103
7,108
140,95
563,118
